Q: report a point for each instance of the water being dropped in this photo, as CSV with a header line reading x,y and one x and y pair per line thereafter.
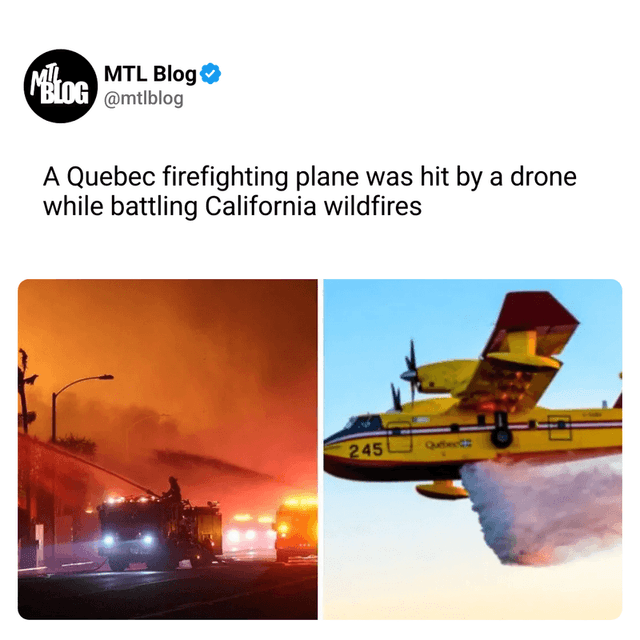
x,y
544,516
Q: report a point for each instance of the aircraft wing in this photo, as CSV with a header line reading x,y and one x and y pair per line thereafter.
x,y
517,364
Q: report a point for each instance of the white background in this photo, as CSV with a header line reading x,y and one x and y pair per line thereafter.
x,y
351,86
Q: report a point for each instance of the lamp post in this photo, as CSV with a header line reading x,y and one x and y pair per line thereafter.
x,y
54,397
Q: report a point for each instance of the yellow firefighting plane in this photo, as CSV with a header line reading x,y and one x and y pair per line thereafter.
x,y
491,414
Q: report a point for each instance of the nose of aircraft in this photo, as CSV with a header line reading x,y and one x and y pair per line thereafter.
x,y
334,463
340,449
338,463
341,466
337,466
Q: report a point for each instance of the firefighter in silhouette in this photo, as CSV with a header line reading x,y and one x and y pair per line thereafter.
x,y
173,495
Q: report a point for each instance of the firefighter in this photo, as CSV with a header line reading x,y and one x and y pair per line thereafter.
x,y
173,495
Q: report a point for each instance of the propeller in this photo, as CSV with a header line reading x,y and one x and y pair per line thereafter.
x,y
395,394
411,374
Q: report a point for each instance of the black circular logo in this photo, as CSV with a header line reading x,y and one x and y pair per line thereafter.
x,y
60,85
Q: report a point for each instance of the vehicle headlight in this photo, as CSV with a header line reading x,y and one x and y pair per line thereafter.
x,y
109,541
147,540
250,535
233,535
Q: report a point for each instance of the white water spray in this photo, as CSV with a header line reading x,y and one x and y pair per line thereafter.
x,y
546,515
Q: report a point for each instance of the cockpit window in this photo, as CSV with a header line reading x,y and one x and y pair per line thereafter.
x,y
349,424
357,424
366,423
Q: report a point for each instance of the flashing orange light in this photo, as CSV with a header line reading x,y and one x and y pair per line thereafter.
x,y
302,501
283,528
242,517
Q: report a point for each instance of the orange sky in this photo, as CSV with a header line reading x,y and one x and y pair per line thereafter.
x,y
226,369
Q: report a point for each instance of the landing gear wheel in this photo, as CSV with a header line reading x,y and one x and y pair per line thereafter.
x,y
118,564
501,438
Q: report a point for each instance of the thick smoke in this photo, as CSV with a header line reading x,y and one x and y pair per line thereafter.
x,y
543,516
225,369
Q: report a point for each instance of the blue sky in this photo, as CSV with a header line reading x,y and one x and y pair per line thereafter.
x,y
386,547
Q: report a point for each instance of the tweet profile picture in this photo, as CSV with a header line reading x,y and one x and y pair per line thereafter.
x,y
60,86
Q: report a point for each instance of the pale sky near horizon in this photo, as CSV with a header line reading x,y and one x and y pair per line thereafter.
x,y
390,553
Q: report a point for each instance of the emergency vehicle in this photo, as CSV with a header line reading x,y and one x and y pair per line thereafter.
x,y
296,528
147,529
248,534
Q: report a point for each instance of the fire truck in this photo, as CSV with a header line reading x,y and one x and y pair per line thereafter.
x,y
158,533
248,534
296,527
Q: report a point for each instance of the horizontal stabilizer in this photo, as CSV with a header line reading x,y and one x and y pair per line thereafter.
x,y
442,490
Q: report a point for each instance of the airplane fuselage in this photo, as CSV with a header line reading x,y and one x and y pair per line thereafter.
x,y
432,439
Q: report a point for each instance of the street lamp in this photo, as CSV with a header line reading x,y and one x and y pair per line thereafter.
x,y
54,396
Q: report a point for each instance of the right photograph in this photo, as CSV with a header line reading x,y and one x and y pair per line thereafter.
x,y
472,450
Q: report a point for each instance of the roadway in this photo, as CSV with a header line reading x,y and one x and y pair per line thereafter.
x,y
229,591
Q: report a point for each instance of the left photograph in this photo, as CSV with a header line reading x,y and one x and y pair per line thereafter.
x,y
167,449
